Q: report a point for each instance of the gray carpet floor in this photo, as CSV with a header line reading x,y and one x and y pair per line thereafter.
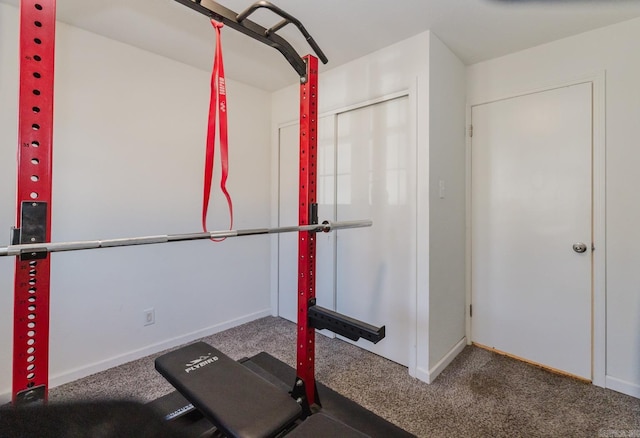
x,y
481,394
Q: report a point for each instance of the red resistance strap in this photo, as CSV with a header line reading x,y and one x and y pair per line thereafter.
x,y
218,101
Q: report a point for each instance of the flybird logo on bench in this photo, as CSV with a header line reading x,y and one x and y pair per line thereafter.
x,y
200,362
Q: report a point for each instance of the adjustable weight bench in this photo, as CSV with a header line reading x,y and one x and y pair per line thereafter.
x,y
236,400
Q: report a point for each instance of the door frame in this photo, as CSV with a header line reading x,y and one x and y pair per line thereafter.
x,y
598,272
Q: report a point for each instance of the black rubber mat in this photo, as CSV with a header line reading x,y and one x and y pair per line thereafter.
x,y
334,404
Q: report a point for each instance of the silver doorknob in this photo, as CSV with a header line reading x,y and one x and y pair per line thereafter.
x,y
579,247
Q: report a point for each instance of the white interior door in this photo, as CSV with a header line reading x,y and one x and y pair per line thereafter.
x,y
375,170
531,196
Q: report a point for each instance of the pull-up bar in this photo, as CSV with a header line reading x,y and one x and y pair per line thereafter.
x,y
32,250
269,36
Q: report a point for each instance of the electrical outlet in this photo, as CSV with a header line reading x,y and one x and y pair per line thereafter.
x,y
149,316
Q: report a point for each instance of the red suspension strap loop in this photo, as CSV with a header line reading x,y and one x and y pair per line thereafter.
x,y
218,102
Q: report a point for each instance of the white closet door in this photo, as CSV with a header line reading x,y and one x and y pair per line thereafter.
x,y
288,215
375,180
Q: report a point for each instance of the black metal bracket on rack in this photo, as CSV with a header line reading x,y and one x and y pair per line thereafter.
x,y
32,228
269,36
299,394
32,396
350,328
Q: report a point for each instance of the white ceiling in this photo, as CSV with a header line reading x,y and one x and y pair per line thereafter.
x,y
475,30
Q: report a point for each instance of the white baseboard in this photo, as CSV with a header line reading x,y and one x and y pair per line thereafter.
x,y
96,367
632,389
430,375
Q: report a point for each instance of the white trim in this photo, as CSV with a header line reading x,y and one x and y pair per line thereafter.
x,y
340,110
423,247
597,79
416,337
334,241
275,217
96,367
599,308
279,126
78,373
628,388
467,280
544,86
384,98
430,375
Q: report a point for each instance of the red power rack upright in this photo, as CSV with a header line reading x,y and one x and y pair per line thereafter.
x,y
33,222
307,213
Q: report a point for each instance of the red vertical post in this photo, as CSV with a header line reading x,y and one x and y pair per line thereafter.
x,y
307,240
33,201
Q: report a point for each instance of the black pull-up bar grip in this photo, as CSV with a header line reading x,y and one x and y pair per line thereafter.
x,y
288,18
269,37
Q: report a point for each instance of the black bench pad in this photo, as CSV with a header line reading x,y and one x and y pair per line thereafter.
x,y
237,401
320,425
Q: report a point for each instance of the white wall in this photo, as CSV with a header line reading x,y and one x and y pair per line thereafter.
x,y
612,49
447,205
129,137
406,66
383,72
